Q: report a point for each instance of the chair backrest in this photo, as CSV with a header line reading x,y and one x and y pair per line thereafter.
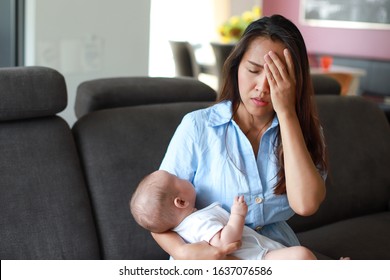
x,y
325,85
185,60
44,205
118,148
132,91
221,52
345,80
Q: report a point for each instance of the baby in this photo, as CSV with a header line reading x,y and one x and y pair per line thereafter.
x,y
163,202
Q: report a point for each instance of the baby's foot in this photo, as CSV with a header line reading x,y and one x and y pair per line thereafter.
x,y
239,206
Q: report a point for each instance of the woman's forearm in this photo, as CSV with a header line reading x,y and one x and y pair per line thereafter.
x,y
171,243
304,184
174,245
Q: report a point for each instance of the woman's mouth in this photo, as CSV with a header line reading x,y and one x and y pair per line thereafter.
x,y
259,102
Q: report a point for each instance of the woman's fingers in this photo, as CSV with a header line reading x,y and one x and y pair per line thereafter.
x,y
271,69
290,63
280,76
270,78
276,66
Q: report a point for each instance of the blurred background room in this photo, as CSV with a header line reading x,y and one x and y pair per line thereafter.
x,y
90,39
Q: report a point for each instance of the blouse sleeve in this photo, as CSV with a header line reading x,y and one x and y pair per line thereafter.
x,y
180,158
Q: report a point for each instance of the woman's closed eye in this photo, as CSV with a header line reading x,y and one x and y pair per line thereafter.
x,y
254,70
254,67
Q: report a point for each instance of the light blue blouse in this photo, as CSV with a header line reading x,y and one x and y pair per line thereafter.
x,y
210,150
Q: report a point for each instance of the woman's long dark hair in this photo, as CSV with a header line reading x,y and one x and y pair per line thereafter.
x,y
278,28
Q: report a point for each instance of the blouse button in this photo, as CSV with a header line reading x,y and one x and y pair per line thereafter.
x,y
258,200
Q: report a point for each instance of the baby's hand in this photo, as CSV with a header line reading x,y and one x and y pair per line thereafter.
x,y
239,206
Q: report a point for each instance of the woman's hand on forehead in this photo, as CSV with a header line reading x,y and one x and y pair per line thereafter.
x,y
281,79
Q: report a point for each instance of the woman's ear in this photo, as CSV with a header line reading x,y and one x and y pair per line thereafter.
x,y
180,203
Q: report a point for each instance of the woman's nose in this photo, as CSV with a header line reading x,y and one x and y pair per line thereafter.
x,y
262,83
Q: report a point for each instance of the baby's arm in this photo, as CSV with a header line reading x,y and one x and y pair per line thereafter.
x,y
232,232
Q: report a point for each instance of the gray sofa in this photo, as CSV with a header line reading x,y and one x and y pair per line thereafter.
x,y
64,191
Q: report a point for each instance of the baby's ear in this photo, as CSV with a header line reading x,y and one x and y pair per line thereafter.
x,y
180,203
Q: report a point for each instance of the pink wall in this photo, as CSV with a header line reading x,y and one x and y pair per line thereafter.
x,y
360,43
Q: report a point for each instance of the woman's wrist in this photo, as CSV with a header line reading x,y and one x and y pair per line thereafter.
x,y
286,115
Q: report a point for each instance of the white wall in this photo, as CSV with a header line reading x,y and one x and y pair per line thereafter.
x,y
179,20
238,7
189,20
88,39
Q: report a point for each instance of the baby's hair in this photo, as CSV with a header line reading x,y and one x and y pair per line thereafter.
x,y
152,204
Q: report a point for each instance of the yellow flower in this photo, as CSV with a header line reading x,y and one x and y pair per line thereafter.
x,y
248,16
234,20
256,10
234,27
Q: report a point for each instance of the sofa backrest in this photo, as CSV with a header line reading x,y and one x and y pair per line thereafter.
x,y
116,92
44,205
358,141
118,147
325,85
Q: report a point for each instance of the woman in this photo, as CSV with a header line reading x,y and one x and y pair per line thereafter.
x,y
261,140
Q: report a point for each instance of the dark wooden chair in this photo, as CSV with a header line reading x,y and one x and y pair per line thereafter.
x,y
221,52
185,60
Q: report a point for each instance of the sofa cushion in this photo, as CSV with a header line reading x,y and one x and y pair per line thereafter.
x,y
361,238
358,140
28,92
118,148
108,93
44,205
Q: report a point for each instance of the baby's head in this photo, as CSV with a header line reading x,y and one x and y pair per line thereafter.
x,y
161,201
